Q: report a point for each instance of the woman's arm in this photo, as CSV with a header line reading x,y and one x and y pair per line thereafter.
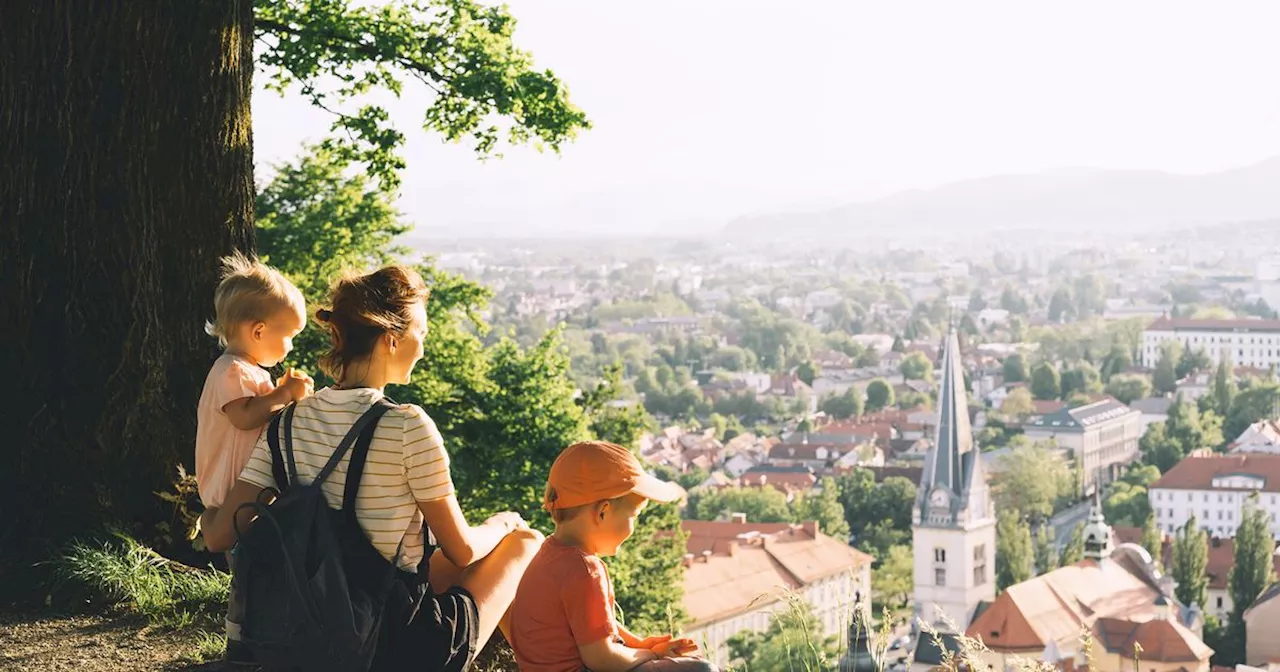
x,y
217,524
460,542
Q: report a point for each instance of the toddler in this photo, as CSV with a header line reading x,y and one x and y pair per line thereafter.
x,y
257,312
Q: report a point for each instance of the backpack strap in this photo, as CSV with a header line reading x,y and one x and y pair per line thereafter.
x,y
277,461
288,441
360,454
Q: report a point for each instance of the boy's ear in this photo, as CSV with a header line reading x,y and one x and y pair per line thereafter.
x,y
602,508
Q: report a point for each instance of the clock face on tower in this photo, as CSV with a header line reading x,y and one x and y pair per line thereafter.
x,y
939,497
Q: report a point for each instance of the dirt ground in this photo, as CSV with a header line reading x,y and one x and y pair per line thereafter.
x,y
35,642
45,642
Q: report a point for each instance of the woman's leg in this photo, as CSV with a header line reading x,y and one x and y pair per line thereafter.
x,y
493,580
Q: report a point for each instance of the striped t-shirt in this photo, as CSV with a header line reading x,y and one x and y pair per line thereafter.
x,y
407,464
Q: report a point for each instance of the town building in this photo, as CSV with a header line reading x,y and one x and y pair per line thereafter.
x,y
1102,436
1116,594
736,574
1214,489
1153,410
1260,437
953,528
1262,647
1221,559
1247,342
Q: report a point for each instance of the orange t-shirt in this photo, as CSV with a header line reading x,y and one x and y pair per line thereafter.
x,y
564,599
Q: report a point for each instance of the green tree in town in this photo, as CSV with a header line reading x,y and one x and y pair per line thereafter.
x,y
1153,540
1224,387
1082,378
1190,564
822,504
1045,382
1118,359
843,406
1030,479
1015,369
1126,501
1253,566
879,395
807,371
892,580
1192,359
1257,402
1129,387
1073,552
1061,307
1165,378
1018,404
1046,550
761,505
1014,552
916,366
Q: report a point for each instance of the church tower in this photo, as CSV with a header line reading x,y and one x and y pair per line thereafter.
x,y
953,520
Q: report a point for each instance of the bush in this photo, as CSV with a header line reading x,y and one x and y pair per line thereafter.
x,y
132,577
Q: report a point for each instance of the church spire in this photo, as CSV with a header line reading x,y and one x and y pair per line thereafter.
x,y
1097,533
955,436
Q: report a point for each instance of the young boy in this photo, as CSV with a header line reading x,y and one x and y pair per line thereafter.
x,y
562,619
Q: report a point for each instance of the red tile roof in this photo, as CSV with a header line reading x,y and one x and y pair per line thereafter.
x,y
736,567
1221,554
1197,473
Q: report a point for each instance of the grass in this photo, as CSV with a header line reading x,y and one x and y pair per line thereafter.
x,y
132,577
209,647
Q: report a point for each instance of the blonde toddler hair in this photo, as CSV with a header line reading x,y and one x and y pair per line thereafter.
x,y
249,291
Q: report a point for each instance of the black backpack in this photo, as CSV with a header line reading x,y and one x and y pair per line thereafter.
x,y
314,588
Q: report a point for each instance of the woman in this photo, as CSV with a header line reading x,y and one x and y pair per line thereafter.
x,y
377,324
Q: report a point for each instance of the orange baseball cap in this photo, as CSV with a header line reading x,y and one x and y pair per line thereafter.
x,y
590,471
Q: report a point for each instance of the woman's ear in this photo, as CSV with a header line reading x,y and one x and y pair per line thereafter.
x,y
258,329
391,342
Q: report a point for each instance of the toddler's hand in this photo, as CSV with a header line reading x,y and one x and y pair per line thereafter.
x,y
299,384
511,519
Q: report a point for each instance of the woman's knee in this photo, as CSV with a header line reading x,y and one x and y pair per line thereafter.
x,y
526,541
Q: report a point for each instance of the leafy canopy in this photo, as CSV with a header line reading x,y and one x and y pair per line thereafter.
x,y
336,53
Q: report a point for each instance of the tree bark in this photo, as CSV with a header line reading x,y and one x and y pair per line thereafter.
x,y
125,172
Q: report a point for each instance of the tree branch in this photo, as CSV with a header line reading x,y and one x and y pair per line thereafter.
x,y
352,44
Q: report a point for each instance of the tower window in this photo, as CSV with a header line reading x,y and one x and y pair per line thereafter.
x,y
939,555
940,577
980,564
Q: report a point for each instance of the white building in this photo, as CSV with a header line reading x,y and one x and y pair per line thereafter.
x,y
1103,436
736,574
953,528
1245,342
1214,489
1260,437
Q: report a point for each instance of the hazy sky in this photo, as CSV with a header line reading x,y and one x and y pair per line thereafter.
x,y
705,110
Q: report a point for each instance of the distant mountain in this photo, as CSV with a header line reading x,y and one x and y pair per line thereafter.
x,y
1120,202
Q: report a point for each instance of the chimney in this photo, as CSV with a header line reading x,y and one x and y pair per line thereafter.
x,y
733,548
740,518
810,527
688,560
706,556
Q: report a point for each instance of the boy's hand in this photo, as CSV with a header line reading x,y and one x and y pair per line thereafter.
x,y
650,642
675,647
298,384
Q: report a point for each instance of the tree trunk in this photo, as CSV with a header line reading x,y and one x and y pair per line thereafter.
x,y
125,172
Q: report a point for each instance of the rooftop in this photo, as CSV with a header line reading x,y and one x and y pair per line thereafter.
x,y
1192,324
1082,417
736,567
1199,472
